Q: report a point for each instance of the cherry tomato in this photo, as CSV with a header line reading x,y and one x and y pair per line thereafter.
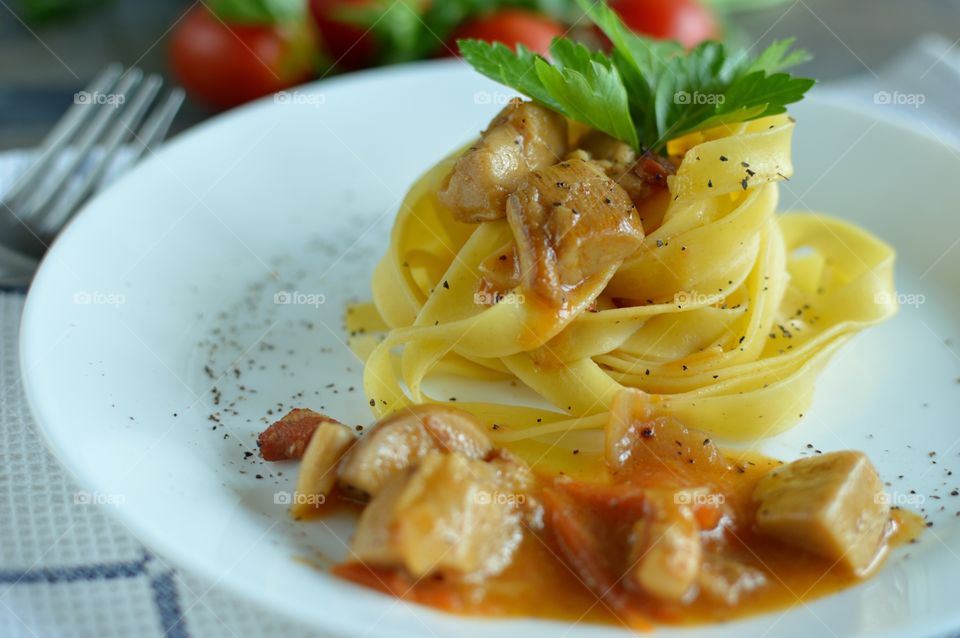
x,y
511,27
683,20
226,65
350,46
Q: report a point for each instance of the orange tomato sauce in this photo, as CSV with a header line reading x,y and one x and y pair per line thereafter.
x,y
540,584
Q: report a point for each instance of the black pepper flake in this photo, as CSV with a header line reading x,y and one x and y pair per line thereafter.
x,y
744,183
259,476
647,433
659,243
446,284
709,183
576,451
373,402
723,158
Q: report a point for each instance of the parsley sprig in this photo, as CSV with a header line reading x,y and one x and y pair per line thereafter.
x,y
646,92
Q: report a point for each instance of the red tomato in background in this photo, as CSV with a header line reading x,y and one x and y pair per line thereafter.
x,y
350,46
683,20
226,65
512,27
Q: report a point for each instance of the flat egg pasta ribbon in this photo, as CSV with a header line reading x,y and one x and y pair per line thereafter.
x,y
725,316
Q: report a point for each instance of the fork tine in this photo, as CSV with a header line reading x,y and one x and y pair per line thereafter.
x,y
45,192
157,125
57,138
129,119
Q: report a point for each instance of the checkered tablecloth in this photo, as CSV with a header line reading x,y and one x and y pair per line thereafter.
x,y
69,569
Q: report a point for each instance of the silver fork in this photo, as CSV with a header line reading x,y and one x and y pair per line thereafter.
x,y
74,159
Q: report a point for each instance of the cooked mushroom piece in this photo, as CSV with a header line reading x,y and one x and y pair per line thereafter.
x,y
287,438
446,516
318,471
832,505
522,138
728,581
570,221
403,438
639,176
518,482
666,548
639,442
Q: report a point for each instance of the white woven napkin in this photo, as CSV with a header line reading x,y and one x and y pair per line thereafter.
x,y
67,569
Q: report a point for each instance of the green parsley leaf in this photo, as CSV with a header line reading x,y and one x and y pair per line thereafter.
x,y
778,57
516,70
647,92
588,88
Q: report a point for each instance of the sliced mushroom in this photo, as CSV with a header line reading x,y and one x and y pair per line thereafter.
x,y
522,138
666,548
639,176
570,221
603,147
728,581
518,483
318,471
287,438
832,505
640,442
447,515
400,440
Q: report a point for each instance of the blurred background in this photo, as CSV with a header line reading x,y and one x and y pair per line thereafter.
x,y
228,51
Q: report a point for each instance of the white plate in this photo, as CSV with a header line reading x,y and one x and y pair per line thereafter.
x,y
176,267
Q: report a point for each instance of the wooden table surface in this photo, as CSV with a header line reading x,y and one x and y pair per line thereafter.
x,y
42,67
